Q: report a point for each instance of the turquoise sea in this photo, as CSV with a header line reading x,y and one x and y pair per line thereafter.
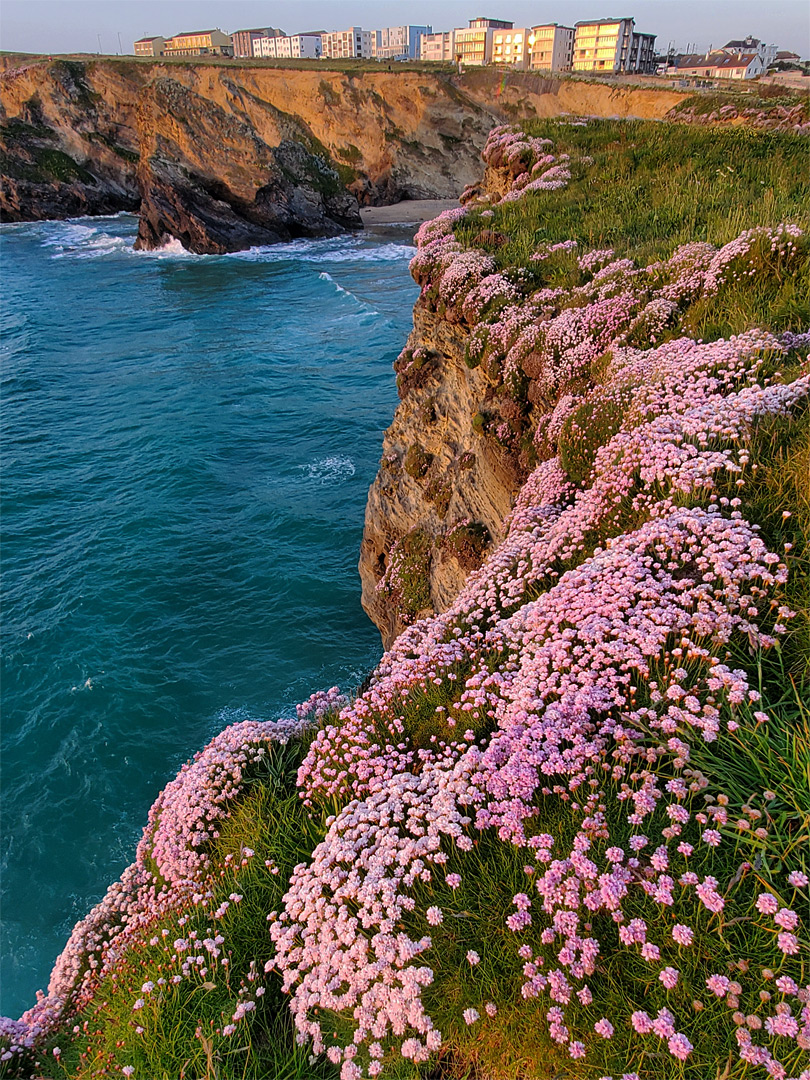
x,y
187,444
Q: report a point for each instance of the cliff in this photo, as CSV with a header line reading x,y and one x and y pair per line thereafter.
x,y
562,830
224,156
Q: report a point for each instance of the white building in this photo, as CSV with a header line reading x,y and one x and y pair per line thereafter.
x,y
289,47
343,44
511,47
720,65
766,53
551,47
438,46
398,42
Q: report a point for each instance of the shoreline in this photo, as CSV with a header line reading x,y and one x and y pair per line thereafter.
x,y
407,212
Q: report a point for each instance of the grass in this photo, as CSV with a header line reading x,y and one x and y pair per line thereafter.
x,y
181,1022
652,187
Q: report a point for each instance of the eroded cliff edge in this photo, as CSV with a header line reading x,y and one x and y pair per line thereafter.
x,y
446,479
226,156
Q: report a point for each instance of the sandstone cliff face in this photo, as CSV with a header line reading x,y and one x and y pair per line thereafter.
x,y
204,148
260,194
444,486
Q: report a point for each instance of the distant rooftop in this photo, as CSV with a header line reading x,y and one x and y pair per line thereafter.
x,y
196,33
607,19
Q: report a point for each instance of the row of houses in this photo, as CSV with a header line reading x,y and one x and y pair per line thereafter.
x,y
738,59
393,43
609,45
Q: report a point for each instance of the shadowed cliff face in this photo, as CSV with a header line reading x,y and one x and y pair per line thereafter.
x,y
260,193
225,156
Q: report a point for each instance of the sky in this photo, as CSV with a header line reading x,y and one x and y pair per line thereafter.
x,y
111,26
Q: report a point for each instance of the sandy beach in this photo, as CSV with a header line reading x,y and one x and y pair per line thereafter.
x,y
406,212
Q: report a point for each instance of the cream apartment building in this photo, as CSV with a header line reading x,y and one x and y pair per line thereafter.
x,y
149,46
551,47
511,47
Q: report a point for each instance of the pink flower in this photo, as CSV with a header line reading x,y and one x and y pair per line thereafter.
x,y
604,1028
718,984
650,952
798,879
766,904
683,935
680,1047
669,977
788,943
473,957
453,880
786,918
641,1022
434,915
576,1049
470,1016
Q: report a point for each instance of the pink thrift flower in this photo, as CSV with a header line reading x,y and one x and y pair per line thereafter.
x,y
798,879
641,1022
434,915
604,1028
680,1047
786,918
669,977
683,935
788,943
473,957
470,1016
766,904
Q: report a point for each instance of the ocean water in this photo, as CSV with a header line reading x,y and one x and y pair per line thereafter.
x,y
187,444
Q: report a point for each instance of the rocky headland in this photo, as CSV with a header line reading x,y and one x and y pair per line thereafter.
x,y
223,157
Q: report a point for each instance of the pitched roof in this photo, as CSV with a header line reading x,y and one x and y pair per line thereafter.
x,y
747,43
716,60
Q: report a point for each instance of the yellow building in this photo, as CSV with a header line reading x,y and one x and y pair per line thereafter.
x,y
200,43
602,45
149,46
511,47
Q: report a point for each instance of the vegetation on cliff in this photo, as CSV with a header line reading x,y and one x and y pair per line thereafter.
x,y
563,831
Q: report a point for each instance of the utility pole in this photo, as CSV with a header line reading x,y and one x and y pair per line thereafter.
x,y
99,43
120,46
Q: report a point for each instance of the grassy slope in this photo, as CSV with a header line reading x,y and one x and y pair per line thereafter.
x,y
651,187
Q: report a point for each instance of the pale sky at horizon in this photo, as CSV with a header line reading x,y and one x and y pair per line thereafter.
x,y
53,26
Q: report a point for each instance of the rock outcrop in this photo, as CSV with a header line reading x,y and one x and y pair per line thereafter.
x,y
444,486
261,194
228,155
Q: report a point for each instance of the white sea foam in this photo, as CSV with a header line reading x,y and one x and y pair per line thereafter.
x,y
329,470
367,309
328,250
